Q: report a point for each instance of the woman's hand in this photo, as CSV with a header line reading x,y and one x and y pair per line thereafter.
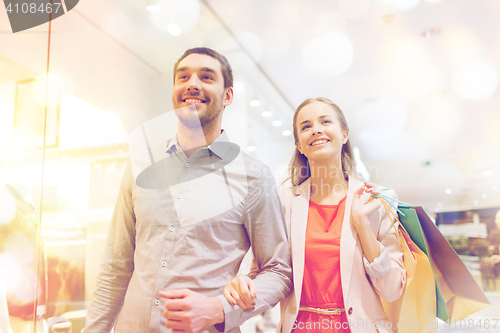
x,y
361,209
242,291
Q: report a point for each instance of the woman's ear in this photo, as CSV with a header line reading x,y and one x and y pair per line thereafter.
x,y
345,137
298,147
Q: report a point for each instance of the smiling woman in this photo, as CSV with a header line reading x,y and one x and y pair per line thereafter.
x,y
345,253
331,119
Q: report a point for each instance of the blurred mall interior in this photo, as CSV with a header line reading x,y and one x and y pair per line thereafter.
x,y
416,79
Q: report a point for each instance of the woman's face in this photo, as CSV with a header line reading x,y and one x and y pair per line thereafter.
x,y
320,136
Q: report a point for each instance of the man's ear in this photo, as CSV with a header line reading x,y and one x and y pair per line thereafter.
x,y
228,96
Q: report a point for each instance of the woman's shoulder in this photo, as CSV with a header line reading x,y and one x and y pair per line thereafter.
x,y
286,193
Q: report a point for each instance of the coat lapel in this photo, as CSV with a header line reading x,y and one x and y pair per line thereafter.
x,y
299,212
348,240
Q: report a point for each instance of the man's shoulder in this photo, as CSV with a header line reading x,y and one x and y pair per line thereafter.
x,y
254,166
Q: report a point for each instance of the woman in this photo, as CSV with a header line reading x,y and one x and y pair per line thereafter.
x,y
345,252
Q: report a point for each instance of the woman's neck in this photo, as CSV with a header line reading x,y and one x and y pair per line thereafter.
x,y
328,185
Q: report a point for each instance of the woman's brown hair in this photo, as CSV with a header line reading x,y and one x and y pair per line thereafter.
x,y
298,169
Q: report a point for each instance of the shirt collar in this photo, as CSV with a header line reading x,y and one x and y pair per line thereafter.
x,y
173,145
219,147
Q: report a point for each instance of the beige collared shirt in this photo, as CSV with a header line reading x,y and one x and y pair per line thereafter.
x,y
190,228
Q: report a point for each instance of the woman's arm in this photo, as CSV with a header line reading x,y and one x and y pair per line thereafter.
x,y
383,254
360,211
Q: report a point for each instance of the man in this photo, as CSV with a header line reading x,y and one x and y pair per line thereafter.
x,y
184,240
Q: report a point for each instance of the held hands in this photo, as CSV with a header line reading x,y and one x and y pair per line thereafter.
x,y
190,312
361,209
242,291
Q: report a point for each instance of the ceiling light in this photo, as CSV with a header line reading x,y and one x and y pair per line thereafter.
x,y
476,80
440,204
252,43
266,114
495,187
488,172
183,13
152,8
354,9
388,18
287,133
254,102
431,32
484,196
476,202
277,123
251,148
448,191
174,29
330,54
403,4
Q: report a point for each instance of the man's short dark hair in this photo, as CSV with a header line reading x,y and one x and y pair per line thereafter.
x,y
227,72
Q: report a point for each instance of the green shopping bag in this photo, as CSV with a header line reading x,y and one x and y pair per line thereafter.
x,y
412,224
457,293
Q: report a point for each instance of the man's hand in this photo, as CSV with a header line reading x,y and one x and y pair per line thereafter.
x,y
191,312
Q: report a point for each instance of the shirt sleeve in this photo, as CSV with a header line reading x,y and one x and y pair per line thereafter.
x,y
117,264
380,265
265,225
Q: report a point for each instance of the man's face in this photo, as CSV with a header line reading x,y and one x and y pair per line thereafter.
x,y
199,95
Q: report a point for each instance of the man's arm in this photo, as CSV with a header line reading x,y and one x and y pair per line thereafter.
x,y
117,264
265,224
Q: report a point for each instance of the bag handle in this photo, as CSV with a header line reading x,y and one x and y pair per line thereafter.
x,y
380,195
391,215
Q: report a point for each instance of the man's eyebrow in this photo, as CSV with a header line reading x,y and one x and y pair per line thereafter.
x,y
208,69
203,69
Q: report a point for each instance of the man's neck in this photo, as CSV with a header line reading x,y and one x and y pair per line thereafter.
x,y
192,139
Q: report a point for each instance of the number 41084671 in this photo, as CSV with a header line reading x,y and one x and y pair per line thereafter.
x,y
471,323
33,8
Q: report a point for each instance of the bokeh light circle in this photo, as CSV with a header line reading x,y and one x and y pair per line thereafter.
x,y
183,13
330,54
475,80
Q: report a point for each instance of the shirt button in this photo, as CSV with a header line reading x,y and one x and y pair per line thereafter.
x,y
179,196
157,302
171,229
164,263
350,311
188,165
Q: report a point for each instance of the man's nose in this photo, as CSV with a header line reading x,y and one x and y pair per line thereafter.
x,y
194,83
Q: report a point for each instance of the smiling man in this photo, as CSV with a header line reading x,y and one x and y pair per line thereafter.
x,y
170,251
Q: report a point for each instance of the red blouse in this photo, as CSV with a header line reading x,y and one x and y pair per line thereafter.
x,y
322,286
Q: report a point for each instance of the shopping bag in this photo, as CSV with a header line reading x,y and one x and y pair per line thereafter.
x,y
416,308
457,293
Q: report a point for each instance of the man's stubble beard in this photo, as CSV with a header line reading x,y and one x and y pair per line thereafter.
x,y
206,119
